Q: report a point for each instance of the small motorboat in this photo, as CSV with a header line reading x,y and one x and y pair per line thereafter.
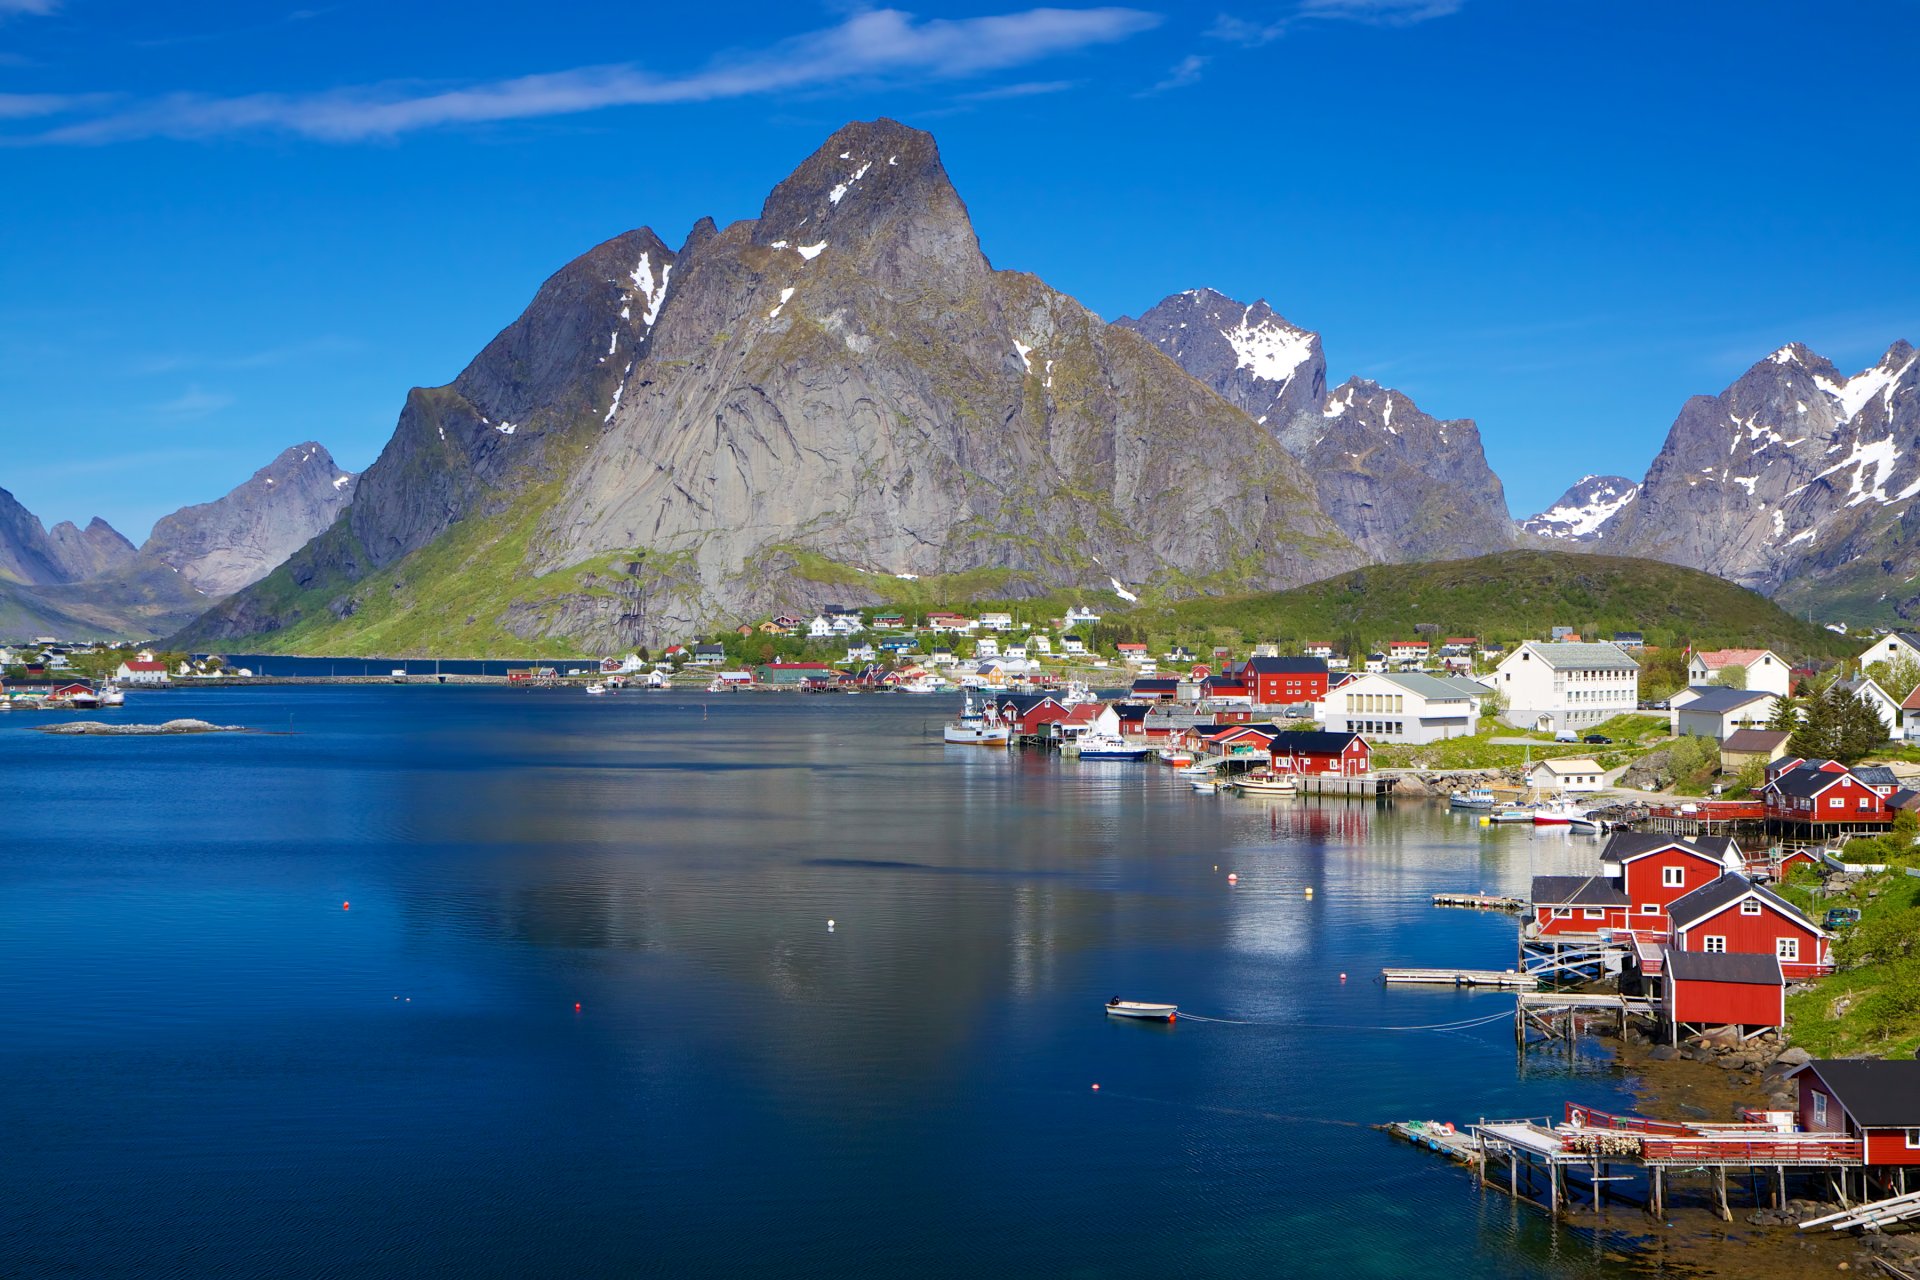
x,y
1559,814
1512,813
596,689
112,695
1265,784
1473,798
1586,826
1194,770
1206,786
1175,757
1118,1008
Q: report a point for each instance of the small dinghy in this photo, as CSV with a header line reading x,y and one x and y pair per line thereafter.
x,y
1118,1008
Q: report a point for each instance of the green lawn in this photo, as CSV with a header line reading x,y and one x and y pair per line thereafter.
x,y
1874,1007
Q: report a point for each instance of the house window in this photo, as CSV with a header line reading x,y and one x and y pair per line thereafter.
x,y
1865,803
1838,802
1649,908
1563,913
1751,907
1819,1110
1673,877
1714,945
1594,913
1787,949
1913,1139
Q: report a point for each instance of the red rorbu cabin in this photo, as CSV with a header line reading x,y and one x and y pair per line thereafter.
x,y
1735,916
1655,869
1322,752
1723,989
1874,1099
1277,682
1823,796
1578,904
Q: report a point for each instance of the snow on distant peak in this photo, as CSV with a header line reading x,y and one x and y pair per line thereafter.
x,y
1583,509
1272,350
1024,351
1786,355
655,291
340,482
812,251
1860,390
1122,592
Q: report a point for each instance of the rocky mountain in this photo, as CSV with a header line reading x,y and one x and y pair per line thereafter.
x,y
32,555
1582,513
838,392
1400,483
1796,480
238,539
1251,355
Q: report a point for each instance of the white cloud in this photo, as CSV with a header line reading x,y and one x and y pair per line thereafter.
x,y
37,8
1183,73
194,402
877,44
25,106
1392,13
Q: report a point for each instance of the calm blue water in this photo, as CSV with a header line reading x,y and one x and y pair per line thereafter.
x,y
209,1068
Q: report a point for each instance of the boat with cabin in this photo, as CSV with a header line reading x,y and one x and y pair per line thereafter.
x,y
976,725
1265,784
1105,746
1472,798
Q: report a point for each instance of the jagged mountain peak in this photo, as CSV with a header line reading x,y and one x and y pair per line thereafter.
x,y
237,539
32,555
1272,369
1582,513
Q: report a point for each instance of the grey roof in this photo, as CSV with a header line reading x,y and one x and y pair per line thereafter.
x,y
1875,775
1879,1093
1430,687
1758,970
1562,656
1718,698
1720,893
1472,688
1577,891
1622,845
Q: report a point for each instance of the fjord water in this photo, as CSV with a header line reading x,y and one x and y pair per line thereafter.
x,y
214,1066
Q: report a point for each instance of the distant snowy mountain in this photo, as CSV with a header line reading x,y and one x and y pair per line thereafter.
x,y
1582,511
1402,484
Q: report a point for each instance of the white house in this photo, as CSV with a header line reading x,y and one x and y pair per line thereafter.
x,y
1376,662
859,653
144,670
1072,644
1078,617
1763,669
1317,649
986,647
819,626
1551,687
1895,644
1570,776
1713,711
1402,708
1038,646
1883,705
1017,652
709,655
996,621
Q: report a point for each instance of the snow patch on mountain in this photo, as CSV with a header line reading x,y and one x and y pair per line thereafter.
x,y
1582,512
1271,350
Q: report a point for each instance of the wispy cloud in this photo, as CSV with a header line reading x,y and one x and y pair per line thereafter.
x,y
1025,89
192,403
1251,34
1183,73
876,45
36,8
266,358
28,106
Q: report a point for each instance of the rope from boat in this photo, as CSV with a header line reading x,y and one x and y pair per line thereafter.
x,y
1462,1025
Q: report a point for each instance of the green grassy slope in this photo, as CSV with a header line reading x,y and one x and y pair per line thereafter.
x,y
1509,596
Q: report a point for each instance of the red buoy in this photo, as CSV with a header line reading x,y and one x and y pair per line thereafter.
x,y
345,906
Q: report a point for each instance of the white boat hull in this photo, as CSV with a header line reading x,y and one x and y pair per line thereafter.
x,y
1141,1009
996,737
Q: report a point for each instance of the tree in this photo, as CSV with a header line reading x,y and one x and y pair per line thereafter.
x,y
1838,725
1733,677
1786,715
1898,676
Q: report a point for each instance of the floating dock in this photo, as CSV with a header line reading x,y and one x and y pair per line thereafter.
x,y
1508,979
1480,901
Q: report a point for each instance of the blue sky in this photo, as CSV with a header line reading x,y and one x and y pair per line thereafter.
x,y
228,227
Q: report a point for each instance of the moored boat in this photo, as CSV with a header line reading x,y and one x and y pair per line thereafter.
x,y
1472,798
1265,784
1206,786
112,695
1511,813
1118,1008
978,726
1104,746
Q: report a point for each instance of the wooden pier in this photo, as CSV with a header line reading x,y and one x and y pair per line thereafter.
x,y
1508,979
1481,901
1370,786
1556,1015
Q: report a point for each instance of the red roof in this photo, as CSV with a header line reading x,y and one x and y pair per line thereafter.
x,y
146,666
800,666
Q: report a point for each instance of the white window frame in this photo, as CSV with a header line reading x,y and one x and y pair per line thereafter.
x,y
1649,908
1787,950
1838,802
1913,1139
1673,877
1751,907
1714,944
1819,1109
1593,913
1563,913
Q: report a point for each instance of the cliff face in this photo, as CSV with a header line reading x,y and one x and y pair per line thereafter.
x,y
238,539
1400,483
32,555
842,385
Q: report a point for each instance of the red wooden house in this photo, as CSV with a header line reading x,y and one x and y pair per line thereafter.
x,y
1282,682
1156,688
1723,989
1313,751
1656,869
1818,796
1029,714
1579,904
1133,719
1874,1099
1735,916
1239,739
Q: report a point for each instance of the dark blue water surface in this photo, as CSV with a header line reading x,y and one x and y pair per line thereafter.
x,y
210,1068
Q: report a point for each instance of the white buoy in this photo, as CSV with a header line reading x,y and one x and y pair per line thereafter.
x,y
829,926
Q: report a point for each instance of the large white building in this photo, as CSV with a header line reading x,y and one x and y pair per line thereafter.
x,y
1552,687
1403,708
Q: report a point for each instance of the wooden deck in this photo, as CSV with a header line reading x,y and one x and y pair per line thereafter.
x,y
1506,978
1481,901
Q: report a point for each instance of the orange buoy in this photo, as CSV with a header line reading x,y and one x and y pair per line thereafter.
x,y
345,906
1096,1087
1233,877
576,1003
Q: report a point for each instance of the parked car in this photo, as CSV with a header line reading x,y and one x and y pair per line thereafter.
x,y
1566,735
1841,918
1598,740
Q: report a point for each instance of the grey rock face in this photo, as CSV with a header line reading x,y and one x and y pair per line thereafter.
x,y
1793,472
1398,482
236,540
33,556
1251,355
1584,511
843,378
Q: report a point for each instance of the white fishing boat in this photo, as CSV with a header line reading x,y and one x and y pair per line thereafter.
x,y
1105,746
1206,786
1178,757
977,725
597,689
1511,813
112,695
919,684
1118,1008
1077,693
1559,813
1473,798
1265,784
